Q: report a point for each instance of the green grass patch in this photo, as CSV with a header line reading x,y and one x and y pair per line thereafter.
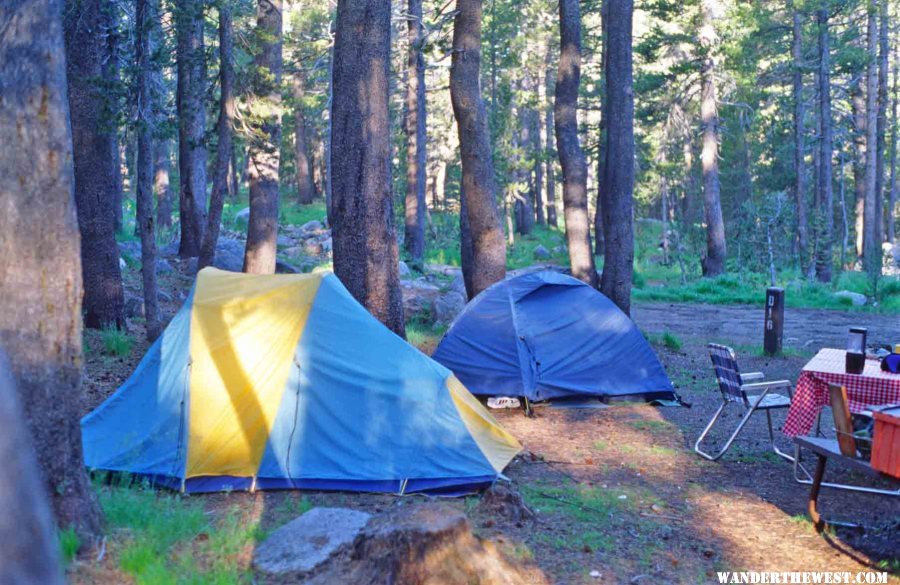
x,y
671,341
116,342
69,543
653,426
166,538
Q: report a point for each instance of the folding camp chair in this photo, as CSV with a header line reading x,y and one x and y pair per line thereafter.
x,y
735,387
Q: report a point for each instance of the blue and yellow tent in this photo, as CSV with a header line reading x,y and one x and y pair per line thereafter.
x,y
285,381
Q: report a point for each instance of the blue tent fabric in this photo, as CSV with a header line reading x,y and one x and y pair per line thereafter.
x,y
546,335
361,410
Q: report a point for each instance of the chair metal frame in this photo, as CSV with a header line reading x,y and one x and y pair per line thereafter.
x,y
734,387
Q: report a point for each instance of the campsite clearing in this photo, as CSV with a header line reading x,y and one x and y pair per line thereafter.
x,y
616,491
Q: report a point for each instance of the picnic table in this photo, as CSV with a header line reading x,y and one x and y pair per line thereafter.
x,y
870,388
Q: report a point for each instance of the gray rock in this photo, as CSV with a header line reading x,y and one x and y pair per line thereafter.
x,y
312,248
327,245
404,269
170,249
541,253
282,267
134,307
284,241
458,284
559,250
306,542
163,266
122,264
448,306
242,218
856,298
311,226
130,249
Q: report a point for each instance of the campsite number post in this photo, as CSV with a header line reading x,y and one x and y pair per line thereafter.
x,y
774,327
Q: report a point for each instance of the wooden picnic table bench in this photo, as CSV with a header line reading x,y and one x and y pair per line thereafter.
x,y
829,449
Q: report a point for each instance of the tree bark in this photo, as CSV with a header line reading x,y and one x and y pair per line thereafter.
x,y
161,150
824,247
225,147
537,149
892,192
618,174
799,140
110,30
858,102
305,189
871,245
714,263
30,553
881,121
571,157
144,17
40,268
264,150
191,91
599,244
95,166
478,186
366,256
549,128
416,155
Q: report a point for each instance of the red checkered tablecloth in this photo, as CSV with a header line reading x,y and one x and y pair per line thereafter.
x,y
870,388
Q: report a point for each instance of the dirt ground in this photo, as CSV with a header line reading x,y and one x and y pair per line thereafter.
x,y
618,491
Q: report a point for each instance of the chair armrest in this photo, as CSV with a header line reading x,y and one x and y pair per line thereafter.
x,y
752,376
767,385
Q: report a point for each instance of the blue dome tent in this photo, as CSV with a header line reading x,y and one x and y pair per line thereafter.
x,y
546,335
286,382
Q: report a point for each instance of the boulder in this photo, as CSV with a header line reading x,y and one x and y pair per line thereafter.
x,y
284,241
327,245
444,269
418,295
134,307
282,267
163,266
422,544
857,299
458,284
541,253
306,542
404,269
311,226
242,218
312,248
122,264
448,306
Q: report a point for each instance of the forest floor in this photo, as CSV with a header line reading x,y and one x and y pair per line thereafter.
x,y
615,490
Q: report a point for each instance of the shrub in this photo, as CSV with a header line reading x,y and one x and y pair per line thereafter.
x,y
115,341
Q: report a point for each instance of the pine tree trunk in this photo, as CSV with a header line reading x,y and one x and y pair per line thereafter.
x,y
537,154
478,187
881,122
799,141
161,166
858,102
191,91
305,189
618,174
225,147
144,17
366,255
714,263
599,243
30,553
465,247
571,157
824,247
549,129
95,166
892,197
871,244
414,229
264,149
40,269
523,196
110,29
